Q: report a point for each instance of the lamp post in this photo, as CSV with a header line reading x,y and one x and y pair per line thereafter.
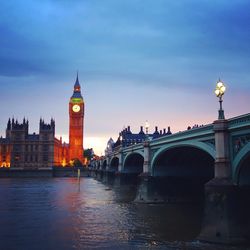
x,y
146,145
221,222
147,127
219,92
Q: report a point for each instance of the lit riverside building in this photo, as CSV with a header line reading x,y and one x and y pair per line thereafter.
x,y
21,150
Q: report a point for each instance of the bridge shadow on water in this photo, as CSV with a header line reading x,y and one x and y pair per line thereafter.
x,y
178,189
175,220
243,211
177,210
178,214
171,222
124,185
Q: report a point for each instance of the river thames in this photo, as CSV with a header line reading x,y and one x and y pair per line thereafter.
x,y
61,213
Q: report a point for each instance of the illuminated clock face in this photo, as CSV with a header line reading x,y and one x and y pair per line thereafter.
x,y
76,108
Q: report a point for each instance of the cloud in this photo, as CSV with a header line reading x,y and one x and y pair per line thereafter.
x,y
130,54
129,38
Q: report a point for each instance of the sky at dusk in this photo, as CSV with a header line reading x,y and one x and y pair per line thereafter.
x,y
138,60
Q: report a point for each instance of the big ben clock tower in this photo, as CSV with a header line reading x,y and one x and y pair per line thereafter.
x,y
76,118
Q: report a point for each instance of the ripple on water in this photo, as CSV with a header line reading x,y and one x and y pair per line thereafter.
x,y
62,214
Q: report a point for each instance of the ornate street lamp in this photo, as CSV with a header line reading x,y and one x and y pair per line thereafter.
x,y
146,126
219,91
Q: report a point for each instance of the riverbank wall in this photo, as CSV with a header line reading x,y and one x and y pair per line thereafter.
x,y
41,173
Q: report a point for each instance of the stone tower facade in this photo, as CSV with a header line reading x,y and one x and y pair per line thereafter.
x,y
76,124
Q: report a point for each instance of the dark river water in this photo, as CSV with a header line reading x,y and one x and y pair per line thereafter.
x,y
60,213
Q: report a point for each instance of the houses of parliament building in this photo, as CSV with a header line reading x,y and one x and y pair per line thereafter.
x,y
21,150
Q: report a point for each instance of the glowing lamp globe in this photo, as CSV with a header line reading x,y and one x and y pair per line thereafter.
x,y
220,89
219,92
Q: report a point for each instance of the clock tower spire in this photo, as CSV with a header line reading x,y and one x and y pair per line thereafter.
x,y
76,119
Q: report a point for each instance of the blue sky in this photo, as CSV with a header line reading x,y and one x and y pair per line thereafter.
x,y
155,60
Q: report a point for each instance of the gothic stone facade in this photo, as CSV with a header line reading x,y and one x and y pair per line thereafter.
x,y
21,150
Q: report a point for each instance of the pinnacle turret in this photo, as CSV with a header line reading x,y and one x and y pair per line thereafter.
x,y
77,86
77,89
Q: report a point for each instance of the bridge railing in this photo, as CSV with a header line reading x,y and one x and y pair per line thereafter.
x,y
193,132
239,120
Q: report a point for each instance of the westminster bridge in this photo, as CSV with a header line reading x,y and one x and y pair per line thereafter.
x,y
189,153
215,157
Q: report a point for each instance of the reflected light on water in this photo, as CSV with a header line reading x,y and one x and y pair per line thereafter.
x,y
62,213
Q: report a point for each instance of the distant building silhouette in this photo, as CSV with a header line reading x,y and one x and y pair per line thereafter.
x,y
127,138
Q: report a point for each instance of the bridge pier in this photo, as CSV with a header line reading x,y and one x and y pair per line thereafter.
x,y
221,223
105,177
117,179
123,178
111,177
146,162
99,175
164,189
94,173
146,191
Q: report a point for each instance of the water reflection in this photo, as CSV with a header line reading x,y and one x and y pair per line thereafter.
x,y
64,214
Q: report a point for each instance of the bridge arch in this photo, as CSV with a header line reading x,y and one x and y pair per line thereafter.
x,y
114,164
133,163
200,145
192,159
241,166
